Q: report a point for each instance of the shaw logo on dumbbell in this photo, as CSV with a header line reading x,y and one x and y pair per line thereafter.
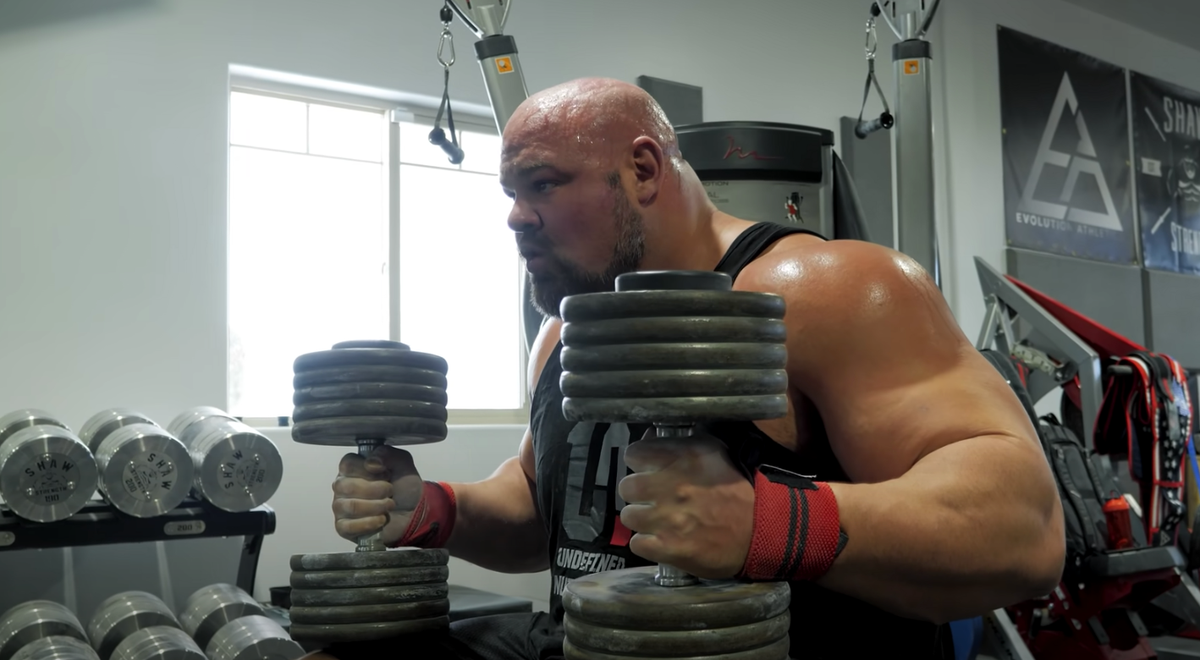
x,y
145,471
47,473
674,349
366,394
236,467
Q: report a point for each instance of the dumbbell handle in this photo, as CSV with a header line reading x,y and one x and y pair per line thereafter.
x,y
669,576
371,542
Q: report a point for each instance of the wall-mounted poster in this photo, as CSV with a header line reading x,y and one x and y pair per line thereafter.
x,y
1166,142
1067,174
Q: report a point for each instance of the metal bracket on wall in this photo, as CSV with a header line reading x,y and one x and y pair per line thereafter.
x,y
1019,327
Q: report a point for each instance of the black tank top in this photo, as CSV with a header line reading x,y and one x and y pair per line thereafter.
x,y
580,464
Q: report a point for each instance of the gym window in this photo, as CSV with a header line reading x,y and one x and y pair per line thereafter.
x,y
346,223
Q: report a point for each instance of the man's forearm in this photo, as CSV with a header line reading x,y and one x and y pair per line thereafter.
x,y
973,526
497,526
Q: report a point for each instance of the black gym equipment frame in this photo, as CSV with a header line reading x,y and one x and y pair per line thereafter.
x,y
99,523
1017,326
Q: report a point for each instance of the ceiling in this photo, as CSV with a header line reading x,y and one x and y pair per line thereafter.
x,y
1175,20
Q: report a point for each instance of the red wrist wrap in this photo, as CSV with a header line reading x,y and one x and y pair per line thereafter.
x,y
797,535
433,519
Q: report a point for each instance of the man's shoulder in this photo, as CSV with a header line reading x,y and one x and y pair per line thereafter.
x,y
863,280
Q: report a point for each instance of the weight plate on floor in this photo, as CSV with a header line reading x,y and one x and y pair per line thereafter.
x,y
368,408
46,473
674,383
369,374
25,418
56,647
32,620
357,632
658,643
370,613
315,598
208,609
253,638
777,650
158,643
684,329
236,467
377,391
715,356
123,614
682,410
378,577
144,471
100,425
350,561
649,304
346,357
629,599
349,430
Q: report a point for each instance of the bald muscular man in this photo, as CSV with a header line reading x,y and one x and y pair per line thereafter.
x,y
928,498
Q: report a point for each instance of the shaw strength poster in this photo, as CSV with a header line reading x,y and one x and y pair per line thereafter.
x,y
1166,139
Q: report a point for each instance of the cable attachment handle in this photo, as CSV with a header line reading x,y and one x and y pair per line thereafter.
x,y
437,136
447,17
885,120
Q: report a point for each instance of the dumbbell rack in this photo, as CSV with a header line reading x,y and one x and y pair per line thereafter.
x,y
99,523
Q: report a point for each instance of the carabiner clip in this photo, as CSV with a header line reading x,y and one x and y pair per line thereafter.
x,y
447,38
872,45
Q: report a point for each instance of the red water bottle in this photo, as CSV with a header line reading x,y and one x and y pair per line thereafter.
x,y
1116,513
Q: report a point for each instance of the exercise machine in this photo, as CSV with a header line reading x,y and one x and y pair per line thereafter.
x,y
912,123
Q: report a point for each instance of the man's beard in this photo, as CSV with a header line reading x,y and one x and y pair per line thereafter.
x,y
567,279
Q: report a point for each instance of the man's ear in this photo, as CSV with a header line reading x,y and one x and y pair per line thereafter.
x,y
649,168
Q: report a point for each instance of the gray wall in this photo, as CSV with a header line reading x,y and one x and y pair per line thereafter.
x,y
870,165
1109,294
1172,303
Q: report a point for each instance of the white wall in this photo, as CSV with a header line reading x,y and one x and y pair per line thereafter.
x,y
113,126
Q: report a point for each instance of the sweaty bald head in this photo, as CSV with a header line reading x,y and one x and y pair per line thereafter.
x,y
594,118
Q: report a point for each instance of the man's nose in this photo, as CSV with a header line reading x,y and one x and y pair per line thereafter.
x,y
522,218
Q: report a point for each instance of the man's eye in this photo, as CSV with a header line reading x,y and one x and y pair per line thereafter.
x,y
544,186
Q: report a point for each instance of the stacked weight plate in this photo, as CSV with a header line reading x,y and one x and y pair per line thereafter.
x,y
624,614
366,394
29,622
236,467
121,615
144,470
677,350
208,609
357,596
253,637
46,472
158,643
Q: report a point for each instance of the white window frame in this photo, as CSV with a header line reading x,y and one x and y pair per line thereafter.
x,y
395,114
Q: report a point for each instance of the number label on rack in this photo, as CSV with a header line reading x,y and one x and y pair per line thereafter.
x,y
184,528
7,539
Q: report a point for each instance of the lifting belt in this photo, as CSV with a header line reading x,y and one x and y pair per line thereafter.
x,y
1147,415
